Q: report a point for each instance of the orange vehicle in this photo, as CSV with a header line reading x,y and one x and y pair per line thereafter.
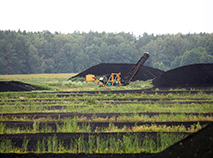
x,y
114,79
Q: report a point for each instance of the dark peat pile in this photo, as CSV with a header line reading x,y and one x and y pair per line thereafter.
x,y
199,144
145,73
6,86
196,75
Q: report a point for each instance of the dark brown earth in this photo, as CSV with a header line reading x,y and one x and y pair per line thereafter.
x,y
6,86
196,75
148,91
145,73
71,115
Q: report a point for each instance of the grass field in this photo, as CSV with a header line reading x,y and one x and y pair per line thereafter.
x,y
60,82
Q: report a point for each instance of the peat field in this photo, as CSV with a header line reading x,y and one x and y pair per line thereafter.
x,y
106,124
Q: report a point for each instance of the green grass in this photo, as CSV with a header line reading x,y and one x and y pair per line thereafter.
x,y
123,118
108,108
111,144
70,126
56,82
36,102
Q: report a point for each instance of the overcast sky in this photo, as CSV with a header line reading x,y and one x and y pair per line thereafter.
x,y
134,16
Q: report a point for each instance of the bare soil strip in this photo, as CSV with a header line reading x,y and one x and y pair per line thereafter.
x,y
114,102
107,99
90,115
205,90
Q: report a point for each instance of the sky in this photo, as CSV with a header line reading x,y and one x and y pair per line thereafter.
x,y
133,16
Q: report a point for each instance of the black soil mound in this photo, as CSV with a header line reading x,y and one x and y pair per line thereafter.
x,y
196,75
144,73
199,145
6,86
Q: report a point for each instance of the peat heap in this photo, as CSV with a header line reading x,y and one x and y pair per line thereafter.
x,y
196,75
196,145
145,73
6,86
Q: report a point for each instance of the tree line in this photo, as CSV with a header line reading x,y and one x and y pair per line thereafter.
x,y
24,52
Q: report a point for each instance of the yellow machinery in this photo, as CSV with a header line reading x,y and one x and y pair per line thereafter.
x,y
90,77
114,79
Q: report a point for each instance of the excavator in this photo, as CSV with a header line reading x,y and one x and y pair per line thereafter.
x,y
114,79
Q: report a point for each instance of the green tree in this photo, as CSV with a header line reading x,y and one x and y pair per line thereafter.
x,y
206,58
34,60
38,52
191,57
177,62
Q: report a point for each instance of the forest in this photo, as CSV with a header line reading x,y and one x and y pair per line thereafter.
x,y
24,52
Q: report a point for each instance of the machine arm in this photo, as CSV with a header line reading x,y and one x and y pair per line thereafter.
x,y
131,74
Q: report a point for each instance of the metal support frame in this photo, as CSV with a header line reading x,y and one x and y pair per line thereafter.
x,y
131,74
114,79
